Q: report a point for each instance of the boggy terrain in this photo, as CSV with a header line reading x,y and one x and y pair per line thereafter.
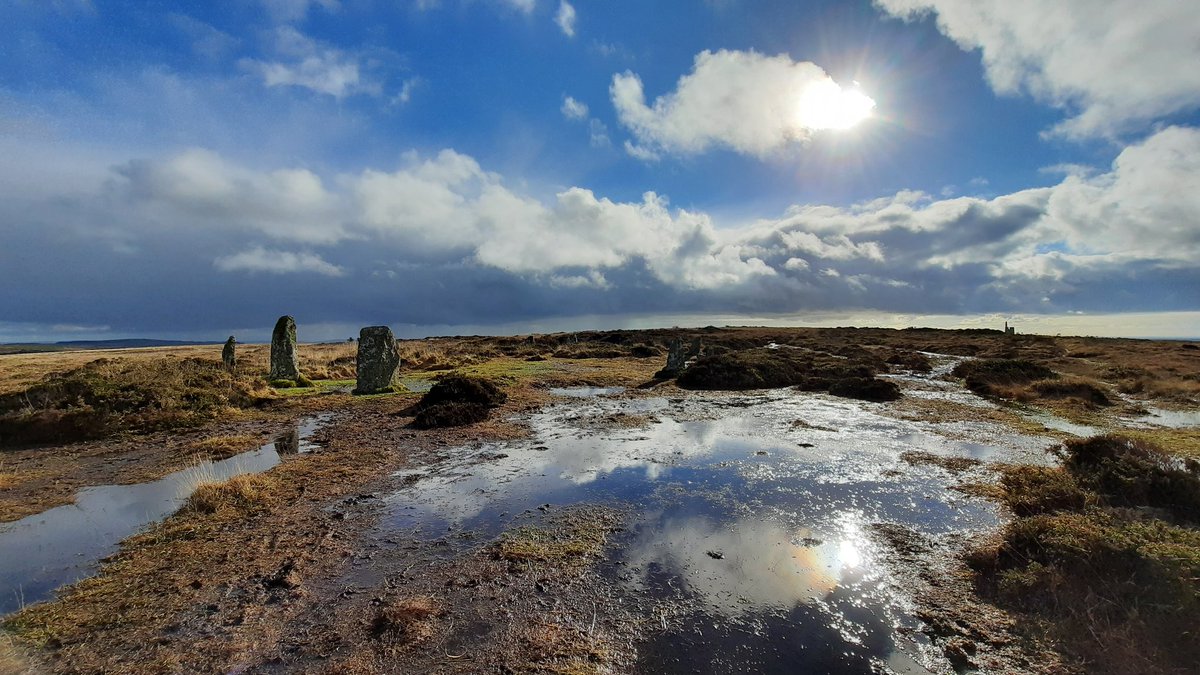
x,y
840,500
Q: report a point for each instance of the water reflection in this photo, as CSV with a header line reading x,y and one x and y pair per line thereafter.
x,y
41,552
751,509
585,392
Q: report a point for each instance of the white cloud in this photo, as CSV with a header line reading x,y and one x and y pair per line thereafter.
x,y
574,110
294,10
288,204
745,101
641,152
598,134
1113,64
270,261
313,65
525,6
406,90
901,251
565,18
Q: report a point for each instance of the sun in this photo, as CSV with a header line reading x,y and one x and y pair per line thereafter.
x,y
826,105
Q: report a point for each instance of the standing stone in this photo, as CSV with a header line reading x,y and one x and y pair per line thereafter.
x,y
678,355
378,360
285,365
229,354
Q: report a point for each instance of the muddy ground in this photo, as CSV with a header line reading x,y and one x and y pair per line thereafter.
x,y
318,573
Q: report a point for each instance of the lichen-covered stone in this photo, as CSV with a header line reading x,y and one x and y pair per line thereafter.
x,y
378,360
285,365
229,354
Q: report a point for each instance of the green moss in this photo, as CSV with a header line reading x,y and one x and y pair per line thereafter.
x,y
283,384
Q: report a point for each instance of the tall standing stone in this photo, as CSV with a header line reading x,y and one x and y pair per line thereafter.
x,y
285,365
378,360
229,354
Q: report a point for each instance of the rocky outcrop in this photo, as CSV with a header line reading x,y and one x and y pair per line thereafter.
x,y
378,360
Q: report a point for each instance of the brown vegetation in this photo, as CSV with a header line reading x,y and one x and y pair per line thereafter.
x,y
223,446
104,397
787,367
244,492
1105,555
457,400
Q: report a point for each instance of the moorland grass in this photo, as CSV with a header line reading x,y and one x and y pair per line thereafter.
x,y
1104,555
107,396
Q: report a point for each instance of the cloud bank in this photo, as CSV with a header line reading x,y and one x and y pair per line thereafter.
x,y
1112,64
440,239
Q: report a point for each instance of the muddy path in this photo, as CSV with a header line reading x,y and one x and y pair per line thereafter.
x,y
591,526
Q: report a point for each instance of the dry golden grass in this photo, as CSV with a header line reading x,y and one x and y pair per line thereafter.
x,y
243,492
221,447
408,620
575,542
555,648
12,660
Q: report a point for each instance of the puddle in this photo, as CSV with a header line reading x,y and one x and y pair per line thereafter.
x,y
417,385
1173,419
586,392
751,511
1057,423
40,553
298,440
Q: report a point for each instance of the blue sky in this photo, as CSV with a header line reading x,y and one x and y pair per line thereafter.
x,y
195,169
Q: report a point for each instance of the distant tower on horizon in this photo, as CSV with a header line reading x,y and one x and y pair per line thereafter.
x,y
1009,330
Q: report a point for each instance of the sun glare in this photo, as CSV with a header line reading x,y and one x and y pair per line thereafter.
x,y
825,105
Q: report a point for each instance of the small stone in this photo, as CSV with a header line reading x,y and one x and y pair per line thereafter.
x,y
715,555
378,360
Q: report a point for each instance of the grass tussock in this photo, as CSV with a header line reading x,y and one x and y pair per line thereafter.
x,y
1105,555
222,447
992,377
952,464
406,620
575,541
107,396
566,650
1078,390
458,400
907,360
784,367
243,493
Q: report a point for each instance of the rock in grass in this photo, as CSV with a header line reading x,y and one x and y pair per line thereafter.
x,y
229,354
378,360
285,364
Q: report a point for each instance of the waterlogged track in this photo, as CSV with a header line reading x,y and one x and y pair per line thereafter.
x,y
43,552
751,518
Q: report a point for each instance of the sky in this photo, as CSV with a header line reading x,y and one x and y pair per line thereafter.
x,y
192,170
